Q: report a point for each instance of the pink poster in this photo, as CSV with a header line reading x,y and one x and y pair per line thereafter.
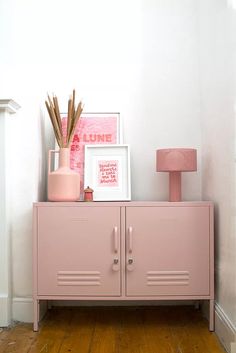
x,y
93,128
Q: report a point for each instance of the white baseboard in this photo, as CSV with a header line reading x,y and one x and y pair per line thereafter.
x,y
22,309
5,314
225,330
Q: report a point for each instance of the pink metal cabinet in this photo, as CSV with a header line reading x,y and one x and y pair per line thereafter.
x,y
167,251
123,251
78,251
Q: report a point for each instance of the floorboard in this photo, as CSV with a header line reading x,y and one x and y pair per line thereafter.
x,y
169,329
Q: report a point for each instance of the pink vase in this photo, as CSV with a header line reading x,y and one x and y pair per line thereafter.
x,y
63,183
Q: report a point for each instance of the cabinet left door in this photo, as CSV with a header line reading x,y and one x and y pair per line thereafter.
x,y
78,251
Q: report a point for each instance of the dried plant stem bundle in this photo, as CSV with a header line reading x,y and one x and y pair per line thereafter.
x,y
72,119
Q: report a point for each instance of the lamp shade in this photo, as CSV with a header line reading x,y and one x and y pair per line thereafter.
x,y
176,160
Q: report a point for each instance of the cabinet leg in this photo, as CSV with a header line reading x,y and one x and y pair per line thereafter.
x,y
212,315
36,315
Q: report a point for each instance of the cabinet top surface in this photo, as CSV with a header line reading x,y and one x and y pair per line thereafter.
x,y
125,204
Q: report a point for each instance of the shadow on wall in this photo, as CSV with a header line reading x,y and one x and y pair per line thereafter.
x,y
47,142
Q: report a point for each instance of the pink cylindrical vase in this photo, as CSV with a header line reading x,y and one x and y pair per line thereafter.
x,y
63,183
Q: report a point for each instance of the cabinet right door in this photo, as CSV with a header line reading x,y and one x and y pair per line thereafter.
x,y
167,251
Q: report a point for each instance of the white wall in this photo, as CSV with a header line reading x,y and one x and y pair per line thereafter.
x,y
137,57
217,45
162,65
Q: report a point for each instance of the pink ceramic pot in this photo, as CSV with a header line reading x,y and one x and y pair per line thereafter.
x,y
63,183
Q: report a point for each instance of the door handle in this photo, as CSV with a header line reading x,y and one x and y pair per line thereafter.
x,y
130,239
116,264
115,233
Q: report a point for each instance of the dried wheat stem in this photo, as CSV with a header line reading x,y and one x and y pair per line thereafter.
x,y
72,119
58,116
53,124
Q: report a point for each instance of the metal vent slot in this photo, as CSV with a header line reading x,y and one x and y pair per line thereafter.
x,y
167,278
78,278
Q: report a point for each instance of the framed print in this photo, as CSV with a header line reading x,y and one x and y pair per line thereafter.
x,y
107,172
93,128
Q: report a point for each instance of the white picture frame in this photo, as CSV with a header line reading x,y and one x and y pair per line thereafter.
x,y
107,172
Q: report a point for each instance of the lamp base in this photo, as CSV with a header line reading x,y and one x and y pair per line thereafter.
x,y
174,186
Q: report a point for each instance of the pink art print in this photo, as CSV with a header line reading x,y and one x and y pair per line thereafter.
x,y
91,129
108,173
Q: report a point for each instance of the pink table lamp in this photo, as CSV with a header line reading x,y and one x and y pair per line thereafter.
x,y
175,161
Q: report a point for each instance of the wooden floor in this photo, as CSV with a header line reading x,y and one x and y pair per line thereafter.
x,y
114,330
